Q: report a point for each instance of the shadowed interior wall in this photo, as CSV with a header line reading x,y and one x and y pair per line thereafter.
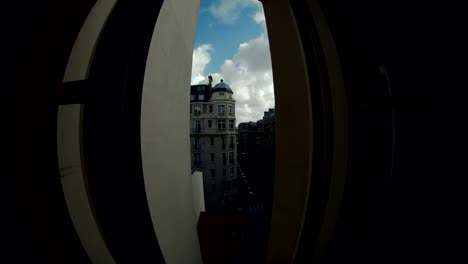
x,y
69,138
293,131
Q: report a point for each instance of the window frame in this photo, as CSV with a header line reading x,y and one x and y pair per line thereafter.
x,y
223,107
221,124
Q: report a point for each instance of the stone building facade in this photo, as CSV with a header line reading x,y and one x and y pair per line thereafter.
x,y
213,138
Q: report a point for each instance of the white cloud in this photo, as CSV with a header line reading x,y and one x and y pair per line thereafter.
x,y
200,58
249,74
259,16
228,11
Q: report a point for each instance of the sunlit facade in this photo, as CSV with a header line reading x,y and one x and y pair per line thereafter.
x,y
213,140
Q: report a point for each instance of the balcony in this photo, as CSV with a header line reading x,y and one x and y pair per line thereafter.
x,y
221,113
221,130
196,130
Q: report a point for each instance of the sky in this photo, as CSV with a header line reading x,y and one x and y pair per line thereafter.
x,y
231,43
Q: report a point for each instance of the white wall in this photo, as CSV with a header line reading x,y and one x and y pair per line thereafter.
x,y
198,193
165,130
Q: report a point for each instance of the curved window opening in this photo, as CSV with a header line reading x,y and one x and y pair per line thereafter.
x,y
232,78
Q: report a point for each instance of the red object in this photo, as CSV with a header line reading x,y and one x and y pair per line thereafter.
x,y
222,237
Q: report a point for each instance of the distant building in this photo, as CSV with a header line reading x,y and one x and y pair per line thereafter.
x,y
258,137
257,157
214,140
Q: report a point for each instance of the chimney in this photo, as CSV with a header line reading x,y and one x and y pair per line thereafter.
x,y
210,80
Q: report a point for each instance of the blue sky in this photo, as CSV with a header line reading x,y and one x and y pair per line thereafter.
x,y
231,43
224,36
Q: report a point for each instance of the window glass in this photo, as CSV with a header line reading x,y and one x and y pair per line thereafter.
x,y
201,97
221,109
221,124
210,123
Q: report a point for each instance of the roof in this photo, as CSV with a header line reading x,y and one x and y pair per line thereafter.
x,y
222,87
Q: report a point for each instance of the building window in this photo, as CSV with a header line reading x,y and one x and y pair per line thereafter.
x,y
212,156
221,124
232,171
210,108
224,161
221,109
201,88
213,187
213,174
192,97
211,141
221,93
223,144
201,97
197,109
210,123
196,142
196,159
197,126
224,173
230,109
231,124
231,157
231,142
